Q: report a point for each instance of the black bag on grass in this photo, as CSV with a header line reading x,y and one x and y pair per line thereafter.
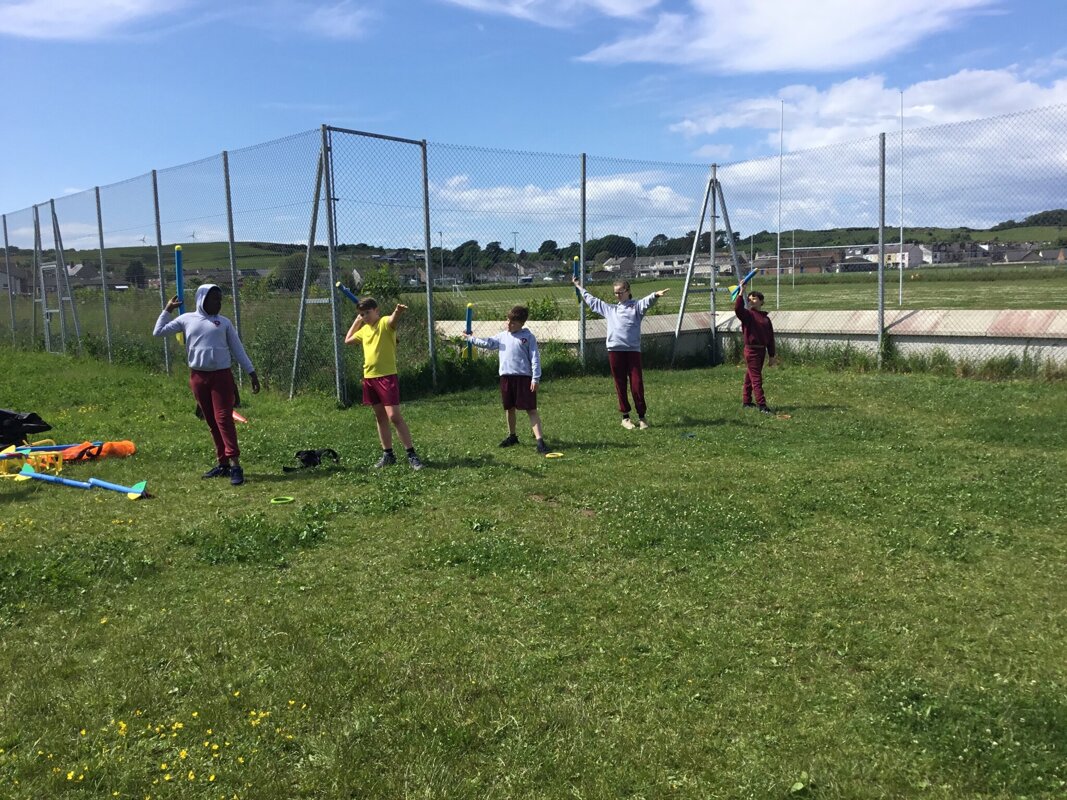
x,y
15,426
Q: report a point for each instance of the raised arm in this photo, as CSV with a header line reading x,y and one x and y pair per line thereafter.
x,y
398,312
357,323
164,325
740,310
596,305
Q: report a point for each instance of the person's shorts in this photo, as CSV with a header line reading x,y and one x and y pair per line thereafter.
x,y
381,391
515,392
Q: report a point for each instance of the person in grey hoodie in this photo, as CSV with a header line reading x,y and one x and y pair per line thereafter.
x,y
520,373
624,344
211,344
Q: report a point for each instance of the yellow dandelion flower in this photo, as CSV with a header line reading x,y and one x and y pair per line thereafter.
x,y
82,731
192,775
103,620
240,759
183,753
292,702
196,714
209,731
237,693
210,778
70,776
168,777
214,747
163,765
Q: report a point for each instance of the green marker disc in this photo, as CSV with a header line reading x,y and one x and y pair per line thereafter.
x,y
280,501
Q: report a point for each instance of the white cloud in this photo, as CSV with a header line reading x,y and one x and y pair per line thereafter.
x,y
78,19
865,106
635,190
781,35
714,152
340,20
557,13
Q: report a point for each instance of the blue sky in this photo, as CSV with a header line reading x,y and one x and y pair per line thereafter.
x,y
100,91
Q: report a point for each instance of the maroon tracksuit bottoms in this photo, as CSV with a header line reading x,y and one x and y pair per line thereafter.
x,y
754,355
626,364
214,392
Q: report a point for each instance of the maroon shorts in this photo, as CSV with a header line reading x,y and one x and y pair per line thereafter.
x,y
515,392
381,391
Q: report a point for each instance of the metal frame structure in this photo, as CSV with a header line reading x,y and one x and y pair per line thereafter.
x,y
713,196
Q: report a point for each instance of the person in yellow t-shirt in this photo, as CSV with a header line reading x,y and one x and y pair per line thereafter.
x,y
381,386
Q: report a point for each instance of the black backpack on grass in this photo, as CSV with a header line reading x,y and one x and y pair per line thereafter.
x,y
15,426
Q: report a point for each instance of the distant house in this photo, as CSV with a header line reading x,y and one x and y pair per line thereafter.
x,y
857,264
20,281
1027,255
82,275
952,252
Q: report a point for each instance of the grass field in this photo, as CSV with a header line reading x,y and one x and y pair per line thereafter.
x,y
865,600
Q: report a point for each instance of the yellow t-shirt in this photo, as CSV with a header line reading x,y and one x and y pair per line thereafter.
x,y
379,349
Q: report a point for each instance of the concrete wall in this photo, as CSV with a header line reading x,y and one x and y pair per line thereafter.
x,y
971,335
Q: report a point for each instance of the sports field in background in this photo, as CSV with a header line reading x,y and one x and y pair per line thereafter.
x,y
865,600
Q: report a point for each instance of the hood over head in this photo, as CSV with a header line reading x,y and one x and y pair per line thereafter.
x,y
201,296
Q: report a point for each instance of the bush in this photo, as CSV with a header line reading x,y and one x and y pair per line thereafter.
x,y
544,308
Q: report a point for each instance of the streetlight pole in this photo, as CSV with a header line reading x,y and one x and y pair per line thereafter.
x,y
441,250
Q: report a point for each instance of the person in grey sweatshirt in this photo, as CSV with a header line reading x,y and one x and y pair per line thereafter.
x,y
624,344
520,373
211,344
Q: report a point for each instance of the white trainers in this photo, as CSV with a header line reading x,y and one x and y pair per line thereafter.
x,y
628,423
641,424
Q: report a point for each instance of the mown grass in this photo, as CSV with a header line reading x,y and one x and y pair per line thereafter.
x,y
864,600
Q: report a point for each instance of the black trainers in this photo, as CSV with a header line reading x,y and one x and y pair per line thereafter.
x,y
237,476
511,440
387,460
414,461
542,448
217,471
765,410
748,405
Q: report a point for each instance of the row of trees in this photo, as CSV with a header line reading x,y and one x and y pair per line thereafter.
x,y
472,256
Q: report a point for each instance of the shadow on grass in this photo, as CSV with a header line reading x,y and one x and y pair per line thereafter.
x,y
300,475
21,492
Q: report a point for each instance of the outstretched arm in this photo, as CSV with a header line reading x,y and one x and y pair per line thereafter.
x,y
596,305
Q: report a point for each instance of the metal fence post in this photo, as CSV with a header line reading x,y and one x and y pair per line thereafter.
x,y
103,272
10,285
159,265
712,230
233,255
61,276
302,313
331,249
581,276
881,245
428,261
38,282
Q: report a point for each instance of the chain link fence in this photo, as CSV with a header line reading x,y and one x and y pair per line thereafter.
x,y
972,244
